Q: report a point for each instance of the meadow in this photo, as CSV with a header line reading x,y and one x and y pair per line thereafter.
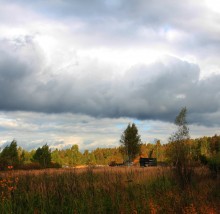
x,y
107,190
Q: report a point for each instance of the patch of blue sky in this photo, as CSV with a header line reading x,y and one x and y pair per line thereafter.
x,y
167,28
87,142
137,122
121,125
143,125
146,127
2,129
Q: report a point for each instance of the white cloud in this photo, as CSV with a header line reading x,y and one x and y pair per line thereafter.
x,y
214,5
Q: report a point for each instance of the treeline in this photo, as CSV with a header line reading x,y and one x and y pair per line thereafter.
x,y
205,150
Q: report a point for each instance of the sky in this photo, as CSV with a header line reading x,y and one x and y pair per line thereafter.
x,y
78,72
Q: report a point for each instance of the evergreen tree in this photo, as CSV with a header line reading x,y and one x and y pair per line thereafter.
x,y
131,142
43,156
9,155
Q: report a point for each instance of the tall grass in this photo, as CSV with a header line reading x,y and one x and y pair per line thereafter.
x,y
106,190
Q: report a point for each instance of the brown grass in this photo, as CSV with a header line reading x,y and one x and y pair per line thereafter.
x,y
107,190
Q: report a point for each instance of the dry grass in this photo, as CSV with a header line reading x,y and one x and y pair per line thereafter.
x,y
106,190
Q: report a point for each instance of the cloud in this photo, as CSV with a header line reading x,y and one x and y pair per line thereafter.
x,y
32,130
191,29
154,91
101,59
127,22
80,71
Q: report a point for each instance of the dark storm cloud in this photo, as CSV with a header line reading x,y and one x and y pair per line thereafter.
x,y
155,91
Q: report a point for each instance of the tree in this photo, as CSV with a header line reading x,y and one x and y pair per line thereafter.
x,y
131,142
21,156
43,156
74,155
89,158
179,152
9,155
55,155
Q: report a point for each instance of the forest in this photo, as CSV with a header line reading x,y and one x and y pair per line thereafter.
x,y
202,150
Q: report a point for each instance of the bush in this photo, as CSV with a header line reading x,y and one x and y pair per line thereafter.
x,y
214,165
55,165
29,166
36,165
203,159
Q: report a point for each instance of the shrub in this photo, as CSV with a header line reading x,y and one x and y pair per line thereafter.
x,y
214,165
55,165
29,166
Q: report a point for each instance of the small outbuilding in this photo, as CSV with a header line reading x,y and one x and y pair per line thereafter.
x,y
144,162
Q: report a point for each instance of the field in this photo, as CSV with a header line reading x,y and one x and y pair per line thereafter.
x,y
107,190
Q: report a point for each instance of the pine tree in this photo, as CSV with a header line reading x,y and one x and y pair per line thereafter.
x,y
9,155
131,142
43,156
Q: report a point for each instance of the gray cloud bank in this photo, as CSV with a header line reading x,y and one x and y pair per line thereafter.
x,y
156,91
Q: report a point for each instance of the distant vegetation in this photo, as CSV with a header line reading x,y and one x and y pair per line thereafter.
x,y
203,151
189,185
